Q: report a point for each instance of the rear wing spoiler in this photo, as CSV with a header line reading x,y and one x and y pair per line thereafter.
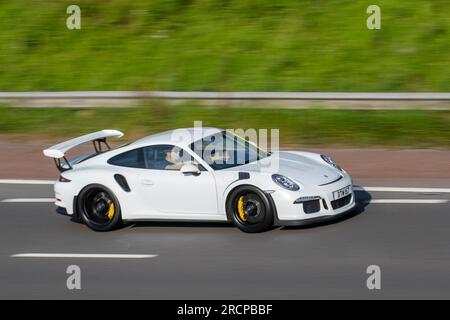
x,y
57,152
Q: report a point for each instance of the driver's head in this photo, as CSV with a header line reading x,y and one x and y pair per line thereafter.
x,y
173,155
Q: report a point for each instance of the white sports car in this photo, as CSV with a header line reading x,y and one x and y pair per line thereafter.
x,y
207,175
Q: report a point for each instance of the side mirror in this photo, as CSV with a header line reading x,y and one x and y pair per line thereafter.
x,y
189,168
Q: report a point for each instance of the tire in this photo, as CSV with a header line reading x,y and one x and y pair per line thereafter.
x,y
256,213
99,208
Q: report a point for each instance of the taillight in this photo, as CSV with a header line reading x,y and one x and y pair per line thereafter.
x,y
62,179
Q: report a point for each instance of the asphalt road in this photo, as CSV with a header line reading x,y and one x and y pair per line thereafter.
x,y
409,242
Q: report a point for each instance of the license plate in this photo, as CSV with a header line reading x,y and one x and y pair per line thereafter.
x,y
342,192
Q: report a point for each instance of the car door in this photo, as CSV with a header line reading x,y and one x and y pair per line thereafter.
x,y
172,194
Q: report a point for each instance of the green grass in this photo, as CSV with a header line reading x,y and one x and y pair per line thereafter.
x,y
305,127
225,45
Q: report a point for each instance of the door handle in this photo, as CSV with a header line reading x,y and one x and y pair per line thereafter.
x,y
147,182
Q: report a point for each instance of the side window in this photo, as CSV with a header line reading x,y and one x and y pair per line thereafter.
x,y
132,159
167,157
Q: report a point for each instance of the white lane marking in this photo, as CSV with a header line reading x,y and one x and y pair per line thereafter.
x,y
397,189
357,188
82,255
23,181
408,201
31,200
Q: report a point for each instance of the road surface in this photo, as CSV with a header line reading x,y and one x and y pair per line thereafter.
x,y
409,241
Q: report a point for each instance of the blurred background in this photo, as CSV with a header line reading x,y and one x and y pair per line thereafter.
x,y
229,45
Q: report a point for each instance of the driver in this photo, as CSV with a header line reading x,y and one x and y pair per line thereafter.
x,y
172,159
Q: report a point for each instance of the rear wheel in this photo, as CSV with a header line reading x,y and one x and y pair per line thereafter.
x,y
99,209
250,209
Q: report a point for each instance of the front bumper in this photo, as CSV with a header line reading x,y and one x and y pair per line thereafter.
x,y
322,207
309,221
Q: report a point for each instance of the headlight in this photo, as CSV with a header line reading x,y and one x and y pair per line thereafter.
x,y
285,182
331,162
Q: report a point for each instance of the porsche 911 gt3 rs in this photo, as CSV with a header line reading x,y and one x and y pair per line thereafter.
x,y
208,174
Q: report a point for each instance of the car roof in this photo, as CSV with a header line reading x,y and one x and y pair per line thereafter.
x,y
183,136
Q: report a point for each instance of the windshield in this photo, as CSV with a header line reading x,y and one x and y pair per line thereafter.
x,y
225,150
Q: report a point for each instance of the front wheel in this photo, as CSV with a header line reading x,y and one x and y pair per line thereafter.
x,y
249,209
99,209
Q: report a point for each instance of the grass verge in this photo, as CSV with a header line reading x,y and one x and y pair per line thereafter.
x,y
305,127
216,45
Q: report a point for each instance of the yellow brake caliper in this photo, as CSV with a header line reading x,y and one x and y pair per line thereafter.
x,y
240,207
111,211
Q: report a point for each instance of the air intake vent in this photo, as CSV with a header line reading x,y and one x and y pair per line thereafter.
x,y
336,204
120,179
311,206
